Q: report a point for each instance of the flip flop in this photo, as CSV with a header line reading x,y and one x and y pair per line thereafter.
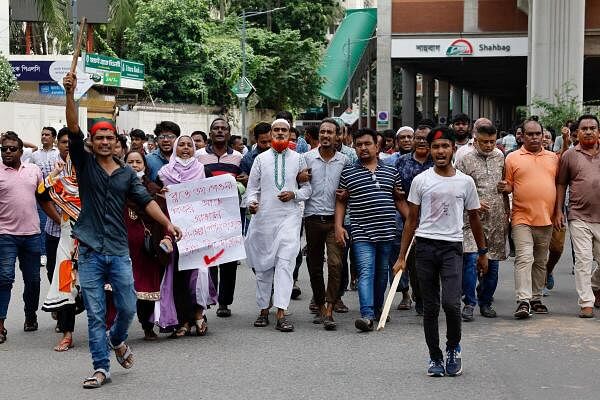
x,y
93,382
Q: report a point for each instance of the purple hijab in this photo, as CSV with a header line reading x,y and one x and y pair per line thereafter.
x,y
174,172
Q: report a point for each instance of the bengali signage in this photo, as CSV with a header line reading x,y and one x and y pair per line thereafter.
x,y
460,47
111,71
31,71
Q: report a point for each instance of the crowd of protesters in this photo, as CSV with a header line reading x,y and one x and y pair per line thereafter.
x,y
441,205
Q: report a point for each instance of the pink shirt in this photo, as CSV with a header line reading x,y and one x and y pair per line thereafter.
x,y
18,207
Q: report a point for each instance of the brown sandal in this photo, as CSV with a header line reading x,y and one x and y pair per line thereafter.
x,y
201,326
64,345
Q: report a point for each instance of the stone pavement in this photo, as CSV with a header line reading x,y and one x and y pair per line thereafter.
x,y
547,357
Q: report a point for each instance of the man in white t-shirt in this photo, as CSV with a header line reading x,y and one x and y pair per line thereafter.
x,y
437,199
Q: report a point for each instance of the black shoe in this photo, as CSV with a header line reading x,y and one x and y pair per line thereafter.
x,y
30,325
364,324
467,313
296,292
523,310
223,312
487,311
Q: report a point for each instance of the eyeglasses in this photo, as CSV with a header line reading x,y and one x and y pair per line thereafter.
x,y
170,137
12,149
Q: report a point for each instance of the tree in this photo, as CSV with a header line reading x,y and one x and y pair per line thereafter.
x,y
565,106
8,82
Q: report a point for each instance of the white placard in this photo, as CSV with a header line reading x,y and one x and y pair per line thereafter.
x,y
460,47
58,70
208,213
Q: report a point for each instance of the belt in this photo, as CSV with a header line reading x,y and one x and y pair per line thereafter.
x,y
322,218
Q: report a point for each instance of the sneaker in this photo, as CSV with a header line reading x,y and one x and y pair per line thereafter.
x,y
453,361
523,310
436,368
467,313
43,260
487,311
296,292
364,324
550,282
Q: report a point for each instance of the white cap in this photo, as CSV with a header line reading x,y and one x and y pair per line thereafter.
x,y
405,128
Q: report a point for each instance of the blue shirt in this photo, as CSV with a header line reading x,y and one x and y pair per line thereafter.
x,y
155,161
371,201
408,168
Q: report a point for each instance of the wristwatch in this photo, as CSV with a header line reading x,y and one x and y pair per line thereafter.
x,y
482,251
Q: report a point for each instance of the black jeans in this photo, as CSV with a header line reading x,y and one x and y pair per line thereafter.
x,y
439,260
226,284
51,249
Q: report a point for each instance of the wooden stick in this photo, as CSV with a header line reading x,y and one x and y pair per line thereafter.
x,y
77,49
390,297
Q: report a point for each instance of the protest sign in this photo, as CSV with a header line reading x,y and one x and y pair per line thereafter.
x,y
208,213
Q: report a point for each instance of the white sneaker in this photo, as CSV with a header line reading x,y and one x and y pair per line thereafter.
x,y
43,260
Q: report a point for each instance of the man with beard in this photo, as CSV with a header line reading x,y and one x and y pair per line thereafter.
x,y
409,166
530,175
579,168
273,239
437,200
485,164
166,132
460,125
219,159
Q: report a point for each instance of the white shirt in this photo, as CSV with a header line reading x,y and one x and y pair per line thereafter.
x,y
443,201
41,156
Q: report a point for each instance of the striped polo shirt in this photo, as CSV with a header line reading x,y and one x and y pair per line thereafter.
x,y
228,163
371,201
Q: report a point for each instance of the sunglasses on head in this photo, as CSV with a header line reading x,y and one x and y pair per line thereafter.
x,y
12,149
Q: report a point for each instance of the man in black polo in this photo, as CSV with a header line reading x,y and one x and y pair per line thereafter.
x,y
105,184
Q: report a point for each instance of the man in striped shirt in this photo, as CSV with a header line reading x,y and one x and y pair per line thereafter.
x,y
374,194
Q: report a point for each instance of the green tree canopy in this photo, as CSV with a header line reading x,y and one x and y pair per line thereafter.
x,y
8,82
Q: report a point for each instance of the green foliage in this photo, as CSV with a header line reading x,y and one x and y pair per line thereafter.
x,y
288,77
311,18
566,106
8,82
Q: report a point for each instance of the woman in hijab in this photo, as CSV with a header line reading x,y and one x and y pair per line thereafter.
x,y
150,249
193,289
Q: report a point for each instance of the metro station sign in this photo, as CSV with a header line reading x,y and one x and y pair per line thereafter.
x,y
460,47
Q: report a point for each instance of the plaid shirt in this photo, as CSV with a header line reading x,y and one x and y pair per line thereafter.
x,y
408,168
51,228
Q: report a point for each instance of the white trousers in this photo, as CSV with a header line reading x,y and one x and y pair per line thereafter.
x,y
586,244
280,280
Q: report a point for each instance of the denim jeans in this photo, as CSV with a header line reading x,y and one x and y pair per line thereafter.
x,y
96,269
487,283
43,217
372,264
404,279
27,249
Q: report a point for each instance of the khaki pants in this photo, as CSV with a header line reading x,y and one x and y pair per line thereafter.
x,y
586,244
531,255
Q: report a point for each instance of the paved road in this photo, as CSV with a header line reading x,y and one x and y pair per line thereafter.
x,y
548,357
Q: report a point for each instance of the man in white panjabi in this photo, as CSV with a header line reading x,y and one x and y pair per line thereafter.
x,y
273,238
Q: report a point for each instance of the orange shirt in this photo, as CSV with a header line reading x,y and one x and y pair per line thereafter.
x,y
533,177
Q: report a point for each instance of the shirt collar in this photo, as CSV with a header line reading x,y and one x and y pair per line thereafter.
x,y
209,149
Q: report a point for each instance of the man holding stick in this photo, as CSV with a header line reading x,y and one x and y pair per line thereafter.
x,y
437,199
105,184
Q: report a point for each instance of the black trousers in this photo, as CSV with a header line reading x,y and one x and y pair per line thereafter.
x,y
51,249
226,284
440,261
65,317
145,309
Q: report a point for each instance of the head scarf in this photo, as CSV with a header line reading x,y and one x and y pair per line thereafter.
x,y
102,123
175,172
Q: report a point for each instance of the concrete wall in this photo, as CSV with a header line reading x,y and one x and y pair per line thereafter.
x,y
27,120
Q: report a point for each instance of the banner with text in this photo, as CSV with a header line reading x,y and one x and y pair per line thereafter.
x,y
208,213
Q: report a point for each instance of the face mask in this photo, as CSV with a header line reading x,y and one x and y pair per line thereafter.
x,y
184,162
140,174
279,145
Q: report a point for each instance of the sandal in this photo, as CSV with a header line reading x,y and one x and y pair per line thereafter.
x,y
3,336
284,325
125,359
64,345
538,307
94,382
201,326
182,331
261,321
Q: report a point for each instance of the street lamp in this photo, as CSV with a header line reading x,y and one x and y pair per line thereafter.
x,y
244,88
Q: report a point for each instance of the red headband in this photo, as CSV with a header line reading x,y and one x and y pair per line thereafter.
x,y
101,125
438,135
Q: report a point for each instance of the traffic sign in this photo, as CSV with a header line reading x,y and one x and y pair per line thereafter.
x,y
243,88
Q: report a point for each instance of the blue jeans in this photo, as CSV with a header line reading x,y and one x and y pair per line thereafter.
x,y
487,283
27,249
96,269
43,219
404,279
372,264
